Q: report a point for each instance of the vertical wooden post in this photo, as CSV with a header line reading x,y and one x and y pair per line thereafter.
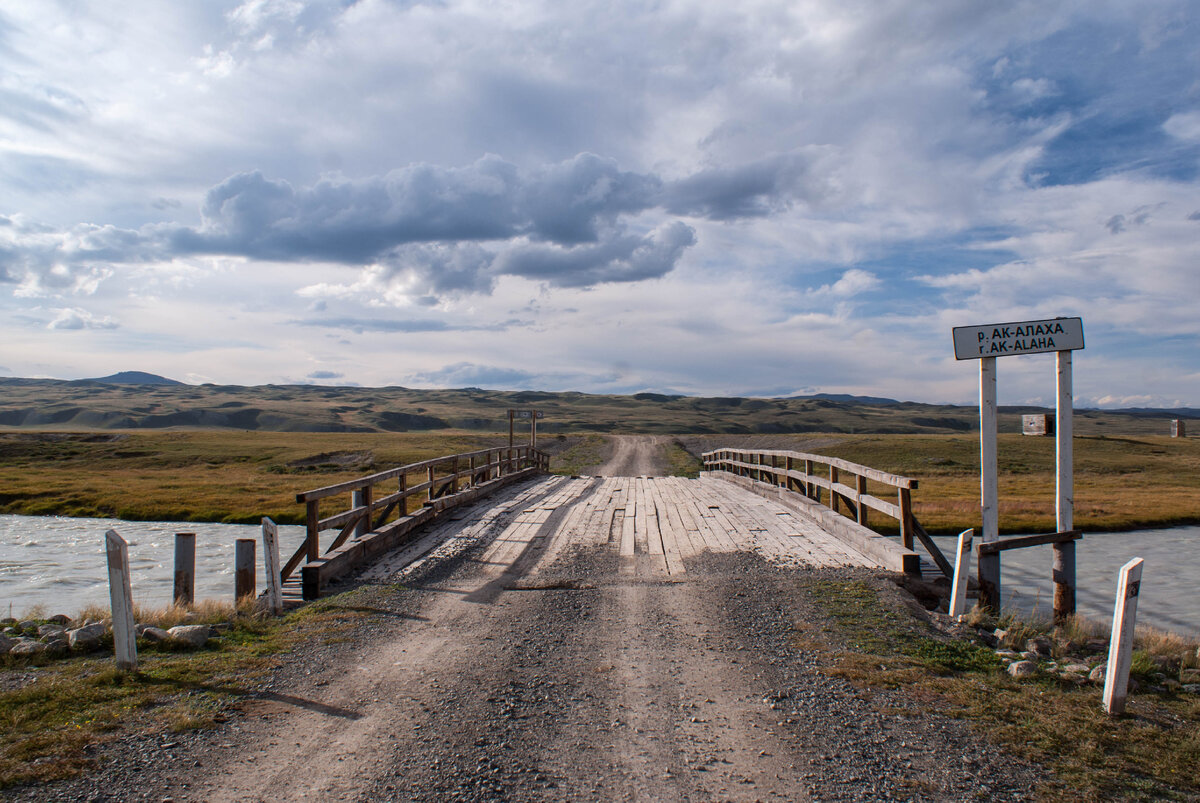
x,y
533,429
962,566
312,543
906,517
403,486
1063,571
510,441
429,479
185,569
270,536
810,488
833,496
788,482
243,569
1120,648
989,490
860,488
454,475
361,498
120,597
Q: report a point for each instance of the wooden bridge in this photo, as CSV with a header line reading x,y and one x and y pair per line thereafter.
x,y
791,507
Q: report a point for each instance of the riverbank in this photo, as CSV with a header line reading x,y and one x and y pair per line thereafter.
x,y
1121,483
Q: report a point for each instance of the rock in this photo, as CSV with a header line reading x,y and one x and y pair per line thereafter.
x,y
1134,685
192,635
28,625
1097,673
50,630
57,646
1030,655
1191,688
1074,677
1171,684
221,627
97,629
1040,645
155,634
6,644
60,619
8,621
1097,645
1082,669
140,628
1022,669
27,647
83,640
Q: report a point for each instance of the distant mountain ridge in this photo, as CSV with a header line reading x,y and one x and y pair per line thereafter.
x,y
134,378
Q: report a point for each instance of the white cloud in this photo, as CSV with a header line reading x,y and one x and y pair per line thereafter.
x,y
76,318
1185,126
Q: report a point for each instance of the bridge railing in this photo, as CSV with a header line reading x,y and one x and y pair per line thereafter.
x,y
374,499
843,484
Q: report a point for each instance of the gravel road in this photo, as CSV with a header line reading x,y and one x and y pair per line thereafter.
x,y
569,681
634,456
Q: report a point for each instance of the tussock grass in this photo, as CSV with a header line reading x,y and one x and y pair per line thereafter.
x,y
1149,754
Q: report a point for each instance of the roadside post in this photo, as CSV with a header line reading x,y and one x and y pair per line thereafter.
x,y
985,343
532,416
270,535
185,569
243,569
958,591
120,597
1120,647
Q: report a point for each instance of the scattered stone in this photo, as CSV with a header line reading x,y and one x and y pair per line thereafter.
x,y
192,635
49,630
1030,655
1171,684
1081,669
1074,677
8,621
1097,673
28,625
1191,688
60,619
1006,654
83,640
155,634
57,646
1022,669
1039,645
6,644
140,628
27,647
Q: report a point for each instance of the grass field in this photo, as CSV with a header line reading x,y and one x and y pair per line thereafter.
x,y
221,475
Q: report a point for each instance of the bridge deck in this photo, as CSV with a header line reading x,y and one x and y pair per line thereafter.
x,y
653,523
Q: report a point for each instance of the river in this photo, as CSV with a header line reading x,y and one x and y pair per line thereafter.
x,y
58,563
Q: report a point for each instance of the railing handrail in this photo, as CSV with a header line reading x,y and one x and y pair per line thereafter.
x,y
886,477
749,463
409,468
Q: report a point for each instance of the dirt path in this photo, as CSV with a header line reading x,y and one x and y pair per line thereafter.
x,y
493,671
636,456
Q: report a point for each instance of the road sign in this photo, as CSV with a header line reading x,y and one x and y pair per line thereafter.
x,y
1024,337
525,414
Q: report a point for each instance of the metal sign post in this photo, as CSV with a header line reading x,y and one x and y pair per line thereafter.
x,y
986,343
533,416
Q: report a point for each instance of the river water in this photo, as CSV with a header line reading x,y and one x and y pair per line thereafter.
x,y
58,563
1167,598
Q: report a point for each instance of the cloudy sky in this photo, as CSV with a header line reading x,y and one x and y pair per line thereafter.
x,y
752,198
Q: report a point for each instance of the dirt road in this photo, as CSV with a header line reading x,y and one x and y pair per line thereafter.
x,y
494,671
635,456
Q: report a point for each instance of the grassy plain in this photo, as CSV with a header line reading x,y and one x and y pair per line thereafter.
x,y
223,475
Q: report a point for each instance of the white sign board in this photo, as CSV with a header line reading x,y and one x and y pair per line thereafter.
x,y
1024,337
525,414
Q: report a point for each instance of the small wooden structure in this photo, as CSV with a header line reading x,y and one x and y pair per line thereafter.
x,y
1039,424
380,518
845,484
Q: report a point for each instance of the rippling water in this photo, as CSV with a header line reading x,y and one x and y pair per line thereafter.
x,y
59,563
1167,598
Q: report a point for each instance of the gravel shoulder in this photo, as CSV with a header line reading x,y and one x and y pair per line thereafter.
x,y
566,680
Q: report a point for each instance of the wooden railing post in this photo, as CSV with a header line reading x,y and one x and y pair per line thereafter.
x,y
429,493
403,486
906,518
833,495
270,534
243,569
810,488
120,597
860,487
312,543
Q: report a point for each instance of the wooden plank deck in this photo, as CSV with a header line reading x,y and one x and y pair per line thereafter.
x,y
652,524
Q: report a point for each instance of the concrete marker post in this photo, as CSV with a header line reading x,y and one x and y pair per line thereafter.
x,y
1120,648
989,486
962,567
121,600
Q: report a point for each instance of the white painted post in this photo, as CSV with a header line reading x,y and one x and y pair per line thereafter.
x,y
958,591
989,485
1120,649
1063,570
270,534
121,599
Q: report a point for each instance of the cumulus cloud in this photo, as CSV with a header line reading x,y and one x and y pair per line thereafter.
x,y
325,375
76,318
1185,126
